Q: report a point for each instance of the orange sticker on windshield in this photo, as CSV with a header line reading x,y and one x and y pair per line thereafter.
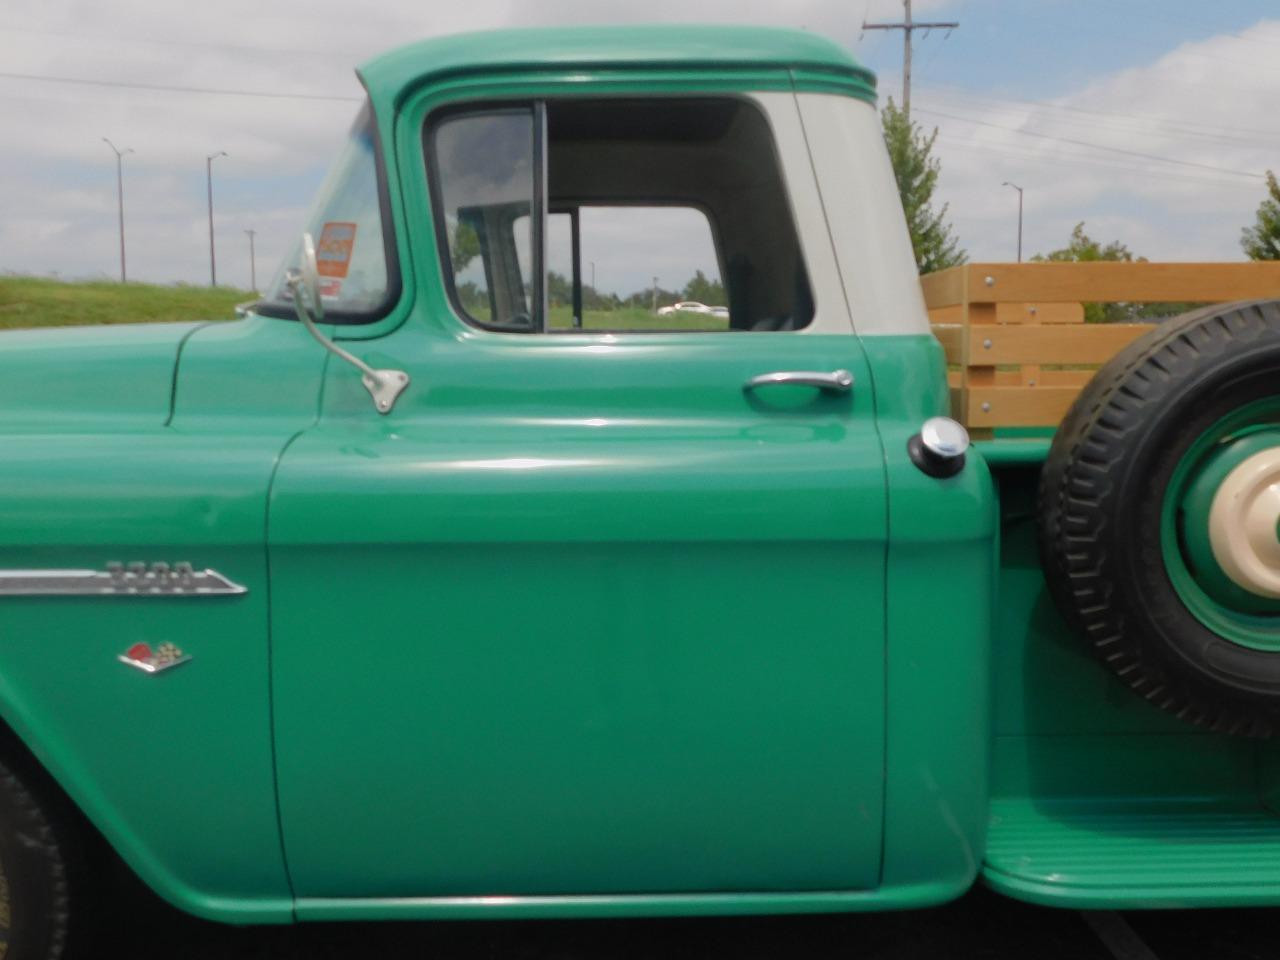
x,y
333,252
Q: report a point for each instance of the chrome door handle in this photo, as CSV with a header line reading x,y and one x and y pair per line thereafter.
x,y
837,381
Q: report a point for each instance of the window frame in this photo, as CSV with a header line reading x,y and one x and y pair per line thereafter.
x,y
536,110
538,296
390,249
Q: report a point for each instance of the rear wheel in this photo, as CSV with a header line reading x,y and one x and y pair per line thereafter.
x,y
1160,517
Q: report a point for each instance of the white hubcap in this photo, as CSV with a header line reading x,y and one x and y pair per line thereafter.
x,y
1243,524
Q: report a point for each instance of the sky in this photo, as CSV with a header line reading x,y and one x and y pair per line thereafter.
x,y
1152,121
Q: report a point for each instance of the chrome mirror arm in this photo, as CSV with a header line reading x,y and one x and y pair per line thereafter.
x,y
385,386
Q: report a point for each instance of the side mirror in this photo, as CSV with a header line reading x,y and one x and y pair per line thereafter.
x,y
306,280
385,386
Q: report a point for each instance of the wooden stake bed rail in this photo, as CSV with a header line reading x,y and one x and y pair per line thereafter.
x,y
1015,337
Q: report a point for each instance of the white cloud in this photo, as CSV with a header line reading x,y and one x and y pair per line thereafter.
x,y
1207,105
57,179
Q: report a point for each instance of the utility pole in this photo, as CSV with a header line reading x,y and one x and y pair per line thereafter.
x,y
120,196
253,263
654,308
907,26
1019,189
208,179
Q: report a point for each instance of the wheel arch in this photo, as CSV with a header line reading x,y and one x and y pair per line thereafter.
x,y
53,772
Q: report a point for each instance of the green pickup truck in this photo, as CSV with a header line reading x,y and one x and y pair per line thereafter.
x,y
433,588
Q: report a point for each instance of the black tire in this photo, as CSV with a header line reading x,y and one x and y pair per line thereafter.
x,y
34,856
1101,496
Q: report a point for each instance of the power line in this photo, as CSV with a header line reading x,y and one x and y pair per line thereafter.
x,y
195,44
909,26
168,88
1098,146
1135,127
1208,128
1073,160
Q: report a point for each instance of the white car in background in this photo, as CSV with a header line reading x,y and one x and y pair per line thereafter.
x,y
692,306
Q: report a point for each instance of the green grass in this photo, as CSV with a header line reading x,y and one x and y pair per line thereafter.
x,y
635,320
37,302
621,320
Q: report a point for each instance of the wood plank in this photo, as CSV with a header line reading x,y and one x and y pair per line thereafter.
x,y
978,376
981,313
1083,343
944,288
952,339
1040,312
1112,282
947,315
1065,378
998,406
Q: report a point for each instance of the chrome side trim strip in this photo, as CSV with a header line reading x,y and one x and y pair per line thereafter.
x,y
119,580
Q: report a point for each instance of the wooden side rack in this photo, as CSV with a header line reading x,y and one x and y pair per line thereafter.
x,y
1017,346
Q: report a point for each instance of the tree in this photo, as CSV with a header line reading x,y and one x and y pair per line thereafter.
x,y
464,245
1084,249
559,289
704,290
1262,240
916,171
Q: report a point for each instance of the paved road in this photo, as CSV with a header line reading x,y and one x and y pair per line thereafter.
x,y
982,926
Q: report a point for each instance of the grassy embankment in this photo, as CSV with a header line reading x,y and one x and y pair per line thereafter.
x,y
39,302
636,320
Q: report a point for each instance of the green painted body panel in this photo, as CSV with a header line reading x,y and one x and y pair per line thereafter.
x,y
578,594
939,593
1099,799
98,379
693,49
160,764
503,907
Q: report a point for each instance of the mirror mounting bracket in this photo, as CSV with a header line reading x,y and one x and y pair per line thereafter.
x,y
384,386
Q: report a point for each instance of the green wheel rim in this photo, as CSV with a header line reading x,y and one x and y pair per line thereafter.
x,y
1229,610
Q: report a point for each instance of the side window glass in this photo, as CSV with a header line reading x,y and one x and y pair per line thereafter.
x,y
659,215
484,175
682,211
642,269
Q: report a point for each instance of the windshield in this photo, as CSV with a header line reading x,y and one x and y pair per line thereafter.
x,y
346,224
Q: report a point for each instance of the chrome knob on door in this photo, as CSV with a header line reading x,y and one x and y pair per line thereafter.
x,y
837,381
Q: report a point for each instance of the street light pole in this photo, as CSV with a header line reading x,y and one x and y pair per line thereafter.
x,y
208,178
1019,189
120,196
253,264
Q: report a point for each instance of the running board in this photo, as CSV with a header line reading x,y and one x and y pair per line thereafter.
x,y
1147,853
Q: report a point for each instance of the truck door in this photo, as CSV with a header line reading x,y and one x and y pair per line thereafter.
x,y
599,607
